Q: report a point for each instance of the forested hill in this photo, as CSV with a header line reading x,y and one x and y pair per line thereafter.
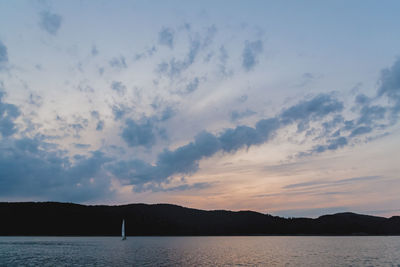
x,y
53,218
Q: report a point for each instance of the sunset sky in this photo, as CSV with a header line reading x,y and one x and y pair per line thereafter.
x,y
283,107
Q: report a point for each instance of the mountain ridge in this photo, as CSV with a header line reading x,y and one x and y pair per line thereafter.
x,y
64,219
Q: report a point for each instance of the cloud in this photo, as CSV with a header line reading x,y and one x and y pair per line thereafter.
x,y
178,188
304,184
243,136
118,87
139,134
237,115
185,187
371,117
336,143
100,123
35,100
8,114
95,114
250,54
77,128
167,113
362,99
210,35
390,87
223,57
82,146
119,111
181,160
192,86
329,126
118,63
390,81
175,67
331,183
307,78
360,130
50,22
94,51
185,159
193,51
100,126
332,144
242,98
307,110
3,54
29,170
369,114
360,178
166,37
147,53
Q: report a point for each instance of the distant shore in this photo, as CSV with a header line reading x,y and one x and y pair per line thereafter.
x,y
68,219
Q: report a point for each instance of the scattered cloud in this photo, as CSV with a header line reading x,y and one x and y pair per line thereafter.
x,y
100,126
8,114
50,22
307,78
360,130
119,111
362,99
223,60
167,113
94,51
178,188
118,62
174,67
370,114
3,55
95,114
210,35
251,52
390,86
166,37
185,159
139,134
29,170
307,110
193,75
118,87
147,53
192,86
331,144
237,115
322,183
82,146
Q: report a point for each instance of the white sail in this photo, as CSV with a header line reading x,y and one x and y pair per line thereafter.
x,y
123,230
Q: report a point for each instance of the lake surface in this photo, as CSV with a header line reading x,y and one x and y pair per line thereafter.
x,y
200,251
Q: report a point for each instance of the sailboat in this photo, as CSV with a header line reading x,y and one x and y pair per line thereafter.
x,y
123,230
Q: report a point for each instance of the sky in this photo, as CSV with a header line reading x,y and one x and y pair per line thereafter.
x,y
289,108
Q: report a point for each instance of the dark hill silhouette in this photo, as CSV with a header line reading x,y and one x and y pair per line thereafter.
x,y
53,218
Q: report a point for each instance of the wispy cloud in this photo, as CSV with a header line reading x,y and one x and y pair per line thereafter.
x,y
8,114
3,55
251,53
50,22
331,183
166,37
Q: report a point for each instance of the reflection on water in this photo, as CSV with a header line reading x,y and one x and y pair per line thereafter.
x,y
200,251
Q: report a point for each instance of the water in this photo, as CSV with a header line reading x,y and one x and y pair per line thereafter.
x,y
200,251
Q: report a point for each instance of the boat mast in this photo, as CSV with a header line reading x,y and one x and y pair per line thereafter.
x,y
123,230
